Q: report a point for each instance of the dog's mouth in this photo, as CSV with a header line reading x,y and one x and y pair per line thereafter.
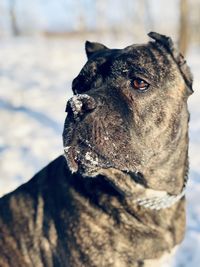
x,y
90,163
85,161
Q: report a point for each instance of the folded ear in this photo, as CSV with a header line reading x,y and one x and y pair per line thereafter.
x,y
91,48
177,56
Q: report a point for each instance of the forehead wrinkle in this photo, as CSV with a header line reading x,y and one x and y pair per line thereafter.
x,y
131,67
161,54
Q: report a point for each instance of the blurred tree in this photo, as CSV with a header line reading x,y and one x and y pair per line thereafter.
x,y
13,19
101,17
149,24
184,27
195,20
81,23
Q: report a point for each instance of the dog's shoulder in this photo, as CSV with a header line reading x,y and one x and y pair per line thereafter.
x,y
22,203
27,212
45,176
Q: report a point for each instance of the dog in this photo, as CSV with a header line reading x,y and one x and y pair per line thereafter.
x,y
115,198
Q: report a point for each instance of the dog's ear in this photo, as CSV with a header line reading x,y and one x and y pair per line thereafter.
x,y
91,48
177,56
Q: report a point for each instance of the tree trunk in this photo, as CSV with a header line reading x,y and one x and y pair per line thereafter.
x,y
184,27
13,19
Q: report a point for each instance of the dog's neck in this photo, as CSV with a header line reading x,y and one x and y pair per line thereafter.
x,y
107,206
141,194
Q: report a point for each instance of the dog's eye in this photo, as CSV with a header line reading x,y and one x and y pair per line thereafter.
x,y
139,84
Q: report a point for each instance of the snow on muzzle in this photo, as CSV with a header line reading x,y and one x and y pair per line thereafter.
x,y
79,105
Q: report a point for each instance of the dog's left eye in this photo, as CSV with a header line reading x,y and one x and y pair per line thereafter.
x,y
139,84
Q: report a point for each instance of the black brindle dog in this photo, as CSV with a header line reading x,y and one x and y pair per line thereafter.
x,y
117,197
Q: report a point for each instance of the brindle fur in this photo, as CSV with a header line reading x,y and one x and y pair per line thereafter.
x,y
81,212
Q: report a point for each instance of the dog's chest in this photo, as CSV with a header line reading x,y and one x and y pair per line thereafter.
x,y
113,237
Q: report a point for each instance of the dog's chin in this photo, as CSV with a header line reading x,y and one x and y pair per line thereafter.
x,y
90,165
87,164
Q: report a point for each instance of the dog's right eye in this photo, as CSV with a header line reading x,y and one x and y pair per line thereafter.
x,y
139,84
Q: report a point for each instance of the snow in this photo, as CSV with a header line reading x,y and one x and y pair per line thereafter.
x,y
35,83
76,103
89,157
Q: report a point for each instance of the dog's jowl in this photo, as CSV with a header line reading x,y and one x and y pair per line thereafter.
x,y
116,195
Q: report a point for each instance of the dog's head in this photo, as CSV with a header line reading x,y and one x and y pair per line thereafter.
x,y
129,113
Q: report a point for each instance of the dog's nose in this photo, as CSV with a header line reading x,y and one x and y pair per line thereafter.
x,y
79,105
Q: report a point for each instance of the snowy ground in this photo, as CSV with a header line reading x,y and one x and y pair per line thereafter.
x,y
35,82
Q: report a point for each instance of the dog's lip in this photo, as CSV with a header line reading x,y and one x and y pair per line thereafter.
x,y
87,163
122,181
70,158
137,177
